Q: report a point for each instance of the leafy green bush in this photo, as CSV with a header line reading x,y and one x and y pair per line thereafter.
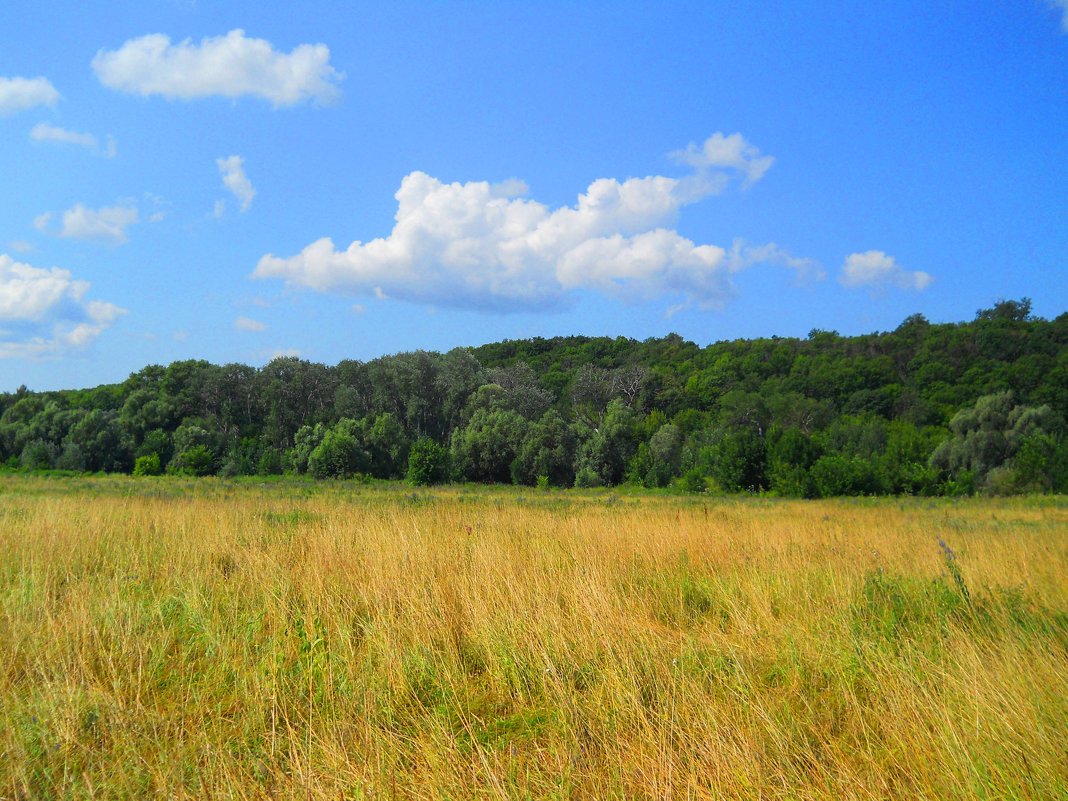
x,y
428,463
339,455
147,465
199,460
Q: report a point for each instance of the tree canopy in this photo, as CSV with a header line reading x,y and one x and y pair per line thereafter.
x,y
924,409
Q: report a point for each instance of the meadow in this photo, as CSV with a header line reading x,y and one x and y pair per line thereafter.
x,y
179,638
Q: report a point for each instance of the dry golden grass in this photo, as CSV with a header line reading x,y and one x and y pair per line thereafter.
x,y
161,638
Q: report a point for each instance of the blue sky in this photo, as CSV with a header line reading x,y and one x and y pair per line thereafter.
x,y
233,181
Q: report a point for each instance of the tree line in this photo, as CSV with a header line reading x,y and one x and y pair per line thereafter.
x,y
925,409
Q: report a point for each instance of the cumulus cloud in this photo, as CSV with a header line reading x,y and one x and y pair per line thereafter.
x,y
876,270
486,246
248,324
108,223
232,169
43,132
726,152
43,311
19,94
225,66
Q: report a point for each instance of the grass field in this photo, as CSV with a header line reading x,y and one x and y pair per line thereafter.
x,y
165,638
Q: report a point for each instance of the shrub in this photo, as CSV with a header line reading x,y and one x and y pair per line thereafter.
x,y
587,478
197,461
339,455
428,463
147,465
37,455
270,462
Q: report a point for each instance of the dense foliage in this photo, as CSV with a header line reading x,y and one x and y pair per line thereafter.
x,y
924,409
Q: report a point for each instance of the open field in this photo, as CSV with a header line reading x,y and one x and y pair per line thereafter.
x,y
181,639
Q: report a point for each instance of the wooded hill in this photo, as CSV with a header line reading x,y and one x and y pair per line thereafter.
x,y
923,409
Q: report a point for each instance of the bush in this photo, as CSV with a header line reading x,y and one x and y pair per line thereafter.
x,y
71,458
197,461
428,463
692,481
270,462
339,455
147,465
587,478
843,475
37,455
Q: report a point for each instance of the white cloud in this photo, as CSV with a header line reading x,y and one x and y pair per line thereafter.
x,y
876,270
248,324
28,293
227,66
232,169
20,246
44,311
108,223
43,132
731,152
219,209
19,94
484,246
743,255
1062,6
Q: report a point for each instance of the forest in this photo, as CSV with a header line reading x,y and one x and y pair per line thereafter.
x,y
925,409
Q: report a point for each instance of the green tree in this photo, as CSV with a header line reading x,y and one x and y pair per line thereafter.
x,y
484,449
986,436
659,460
547,450
341,454
604,456
791,455
102,442
740,461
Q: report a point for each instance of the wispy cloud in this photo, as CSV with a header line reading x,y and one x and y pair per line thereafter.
x,y
248,324
43,132
726,152
1062,6
224,66
19,94
874,269
744,255
232,169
